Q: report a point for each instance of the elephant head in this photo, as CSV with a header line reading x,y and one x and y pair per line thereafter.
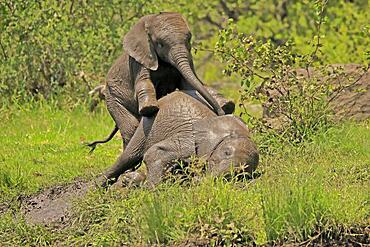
x,y
226,144
233,153
166,37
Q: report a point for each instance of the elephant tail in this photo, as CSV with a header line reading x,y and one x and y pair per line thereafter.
x,y
92,145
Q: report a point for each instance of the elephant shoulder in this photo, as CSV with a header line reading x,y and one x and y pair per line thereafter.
x,y
119,69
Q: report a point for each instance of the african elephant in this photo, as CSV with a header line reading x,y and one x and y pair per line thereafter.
x,y
156,61
227,105
184,127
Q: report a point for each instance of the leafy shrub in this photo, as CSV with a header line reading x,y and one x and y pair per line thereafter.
x,y
53,48
269,74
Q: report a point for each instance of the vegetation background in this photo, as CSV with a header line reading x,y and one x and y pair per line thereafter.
x,y
314,180
64,48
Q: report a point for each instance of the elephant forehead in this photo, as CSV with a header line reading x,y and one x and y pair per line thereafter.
x,y
170,22
243,145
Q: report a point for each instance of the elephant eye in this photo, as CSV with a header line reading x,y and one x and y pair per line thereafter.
x,y
160,45
188,37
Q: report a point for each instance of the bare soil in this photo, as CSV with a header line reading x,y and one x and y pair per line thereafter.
x,y
53,206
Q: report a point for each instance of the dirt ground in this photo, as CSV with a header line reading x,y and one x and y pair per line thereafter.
x,y
53,206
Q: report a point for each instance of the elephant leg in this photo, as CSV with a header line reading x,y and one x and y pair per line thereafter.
x,y
133,179
160,156
128,160
124,119
227,105
146,97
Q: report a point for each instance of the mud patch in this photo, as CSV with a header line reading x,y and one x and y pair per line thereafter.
x,y
53,206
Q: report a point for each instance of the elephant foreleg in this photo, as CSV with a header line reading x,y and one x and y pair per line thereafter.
x,y
146,96
129,159
160,156
125,162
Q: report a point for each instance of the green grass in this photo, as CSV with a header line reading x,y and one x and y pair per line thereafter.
x,y
319,187
42,146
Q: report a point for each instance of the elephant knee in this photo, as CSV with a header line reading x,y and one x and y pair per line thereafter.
x,y
155,162
151,156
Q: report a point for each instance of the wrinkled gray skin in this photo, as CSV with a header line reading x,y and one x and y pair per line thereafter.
x,y
156,61
183,127
227,105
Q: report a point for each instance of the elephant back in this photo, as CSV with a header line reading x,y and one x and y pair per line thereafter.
x,y
177,113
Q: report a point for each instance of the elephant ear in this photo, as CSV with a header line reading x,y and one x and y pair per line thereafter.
x,y
138,44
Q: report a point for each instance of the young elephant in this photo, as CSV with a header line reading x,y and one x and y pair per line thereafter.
x,y
184,126
156,61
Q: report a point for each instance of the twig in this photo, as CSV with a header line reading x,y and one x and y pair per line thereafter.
x,y
71,7
309,241
318,30
3,50
349,85
237,60
230,13
208,19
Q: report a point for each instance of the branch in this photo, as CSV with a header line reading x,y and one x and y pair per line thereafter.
x,y
71,7
208,19
237,60
318,30
3,50
230,13
349,85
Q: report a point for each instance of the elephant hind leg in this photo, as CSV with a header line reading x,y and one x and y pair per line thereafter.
x,y
129,159
161,155
126,122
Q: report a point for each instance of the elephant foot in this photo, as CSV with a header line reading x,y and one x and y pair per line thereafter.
x,y
228,106
148,108
133,179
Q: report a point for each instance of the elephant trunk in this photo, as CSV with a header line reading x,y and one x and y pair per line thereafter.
x,y
181,58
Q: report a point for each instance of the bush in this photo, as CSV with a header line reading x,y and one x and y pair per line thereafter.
x,y
50,48
269,74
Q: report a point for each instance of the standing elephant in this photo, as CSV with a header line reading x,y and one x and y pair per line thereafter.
x,y
156,61
184,126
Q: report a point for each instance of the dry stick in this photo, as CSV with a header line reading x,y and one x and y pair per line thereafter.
x,y
237,60
208,19
71,7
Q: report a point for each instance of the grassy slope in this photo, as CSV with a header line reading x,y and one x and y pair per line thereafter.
x,y
322,186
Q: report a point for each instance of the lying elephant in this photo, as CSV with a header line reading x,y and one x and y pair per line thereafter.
x,y
227,105
183,127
